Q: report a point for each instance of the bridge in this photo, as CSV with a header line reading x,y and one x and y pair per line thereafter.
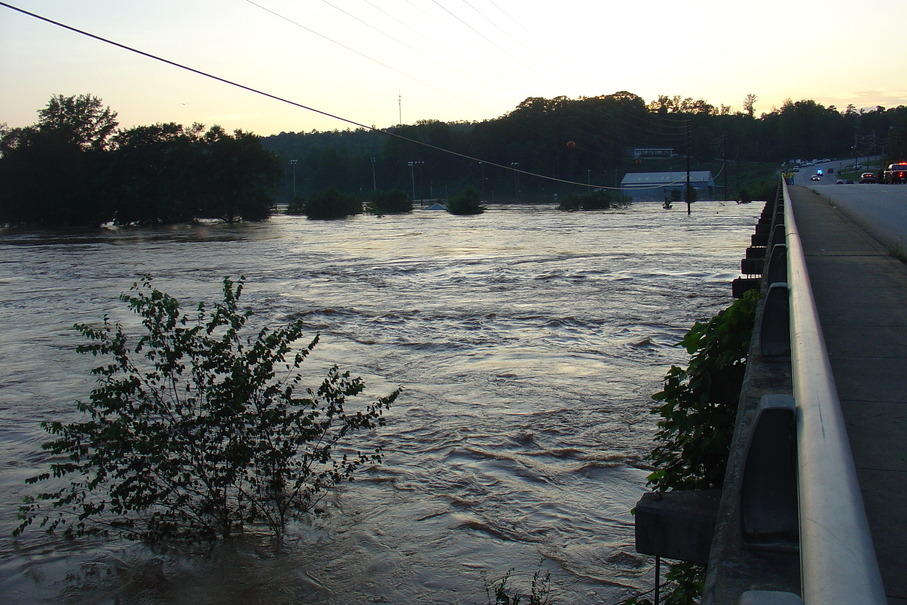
x,y
814,507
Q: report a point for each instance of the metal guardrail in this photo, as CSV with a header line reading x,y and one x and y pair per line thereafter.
x,y
837,557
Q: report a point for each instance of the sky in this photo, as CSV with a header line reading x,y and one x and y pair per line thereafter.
x,y
378,63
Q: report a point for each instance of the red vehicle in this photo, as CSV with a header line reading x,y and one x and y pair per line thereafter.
x,y
896,173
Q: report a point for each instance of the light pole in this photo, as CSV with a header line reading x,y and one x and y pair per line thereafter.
x,y
293,164
412,175
374,181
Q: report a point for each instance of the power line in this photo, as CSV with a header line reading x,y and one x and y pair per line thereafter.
x,y
353,50
483,36
281,99
498,27
396,39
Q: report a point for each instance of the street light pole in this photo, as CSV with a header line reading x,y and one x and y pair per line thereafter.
x,y
374,181
412,175
293,164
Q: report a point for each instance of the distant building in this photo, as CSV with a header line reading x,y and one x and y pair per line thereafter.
x,y
661,186
641,153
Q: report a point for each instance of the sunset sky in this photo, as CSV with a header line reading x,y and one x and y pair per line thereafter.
x,y
375,62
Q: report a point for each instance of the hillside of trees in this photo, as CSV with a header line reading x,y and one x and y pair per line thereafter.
x,y
533,138
75,167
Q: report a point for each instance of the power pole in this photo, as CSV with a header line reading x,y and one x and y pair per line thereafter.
x,y
689,192
374,180
724,164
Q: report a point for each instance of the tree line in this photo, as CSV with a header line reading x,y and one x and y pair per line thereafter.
x,y
533,139
75,167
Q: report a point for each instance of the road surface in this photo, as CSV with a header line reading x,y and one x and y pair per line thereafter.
x,y
879,209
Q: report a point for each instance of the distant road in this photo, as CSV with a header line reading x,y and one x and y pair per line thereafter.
x,y
880,209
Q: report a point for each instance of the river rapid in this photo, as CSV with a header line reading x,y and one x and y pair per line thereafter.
x,y
528,342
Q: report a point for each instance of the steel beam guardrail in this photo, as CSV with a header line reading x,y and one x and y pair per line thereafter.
x,y
837,558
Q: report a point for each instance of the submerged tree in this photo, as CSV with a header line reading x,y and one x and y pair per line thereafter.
x,y
194,431
74,168
389,202
468,202
598,199
328,204
53,171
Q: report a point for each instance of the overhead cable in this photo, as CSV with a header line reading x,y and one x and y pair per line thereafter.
x,y
286,101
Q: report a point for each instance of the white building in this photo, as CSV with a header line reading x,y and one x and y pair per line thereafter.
x,y
641,153
661,186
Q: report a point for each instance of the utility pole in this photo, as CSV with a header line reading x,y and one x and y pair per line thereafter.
x,y
724,164
374,180
689,193
412,175
293,164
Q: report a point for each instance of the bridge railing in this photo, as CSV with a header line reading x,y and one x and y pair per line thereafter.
x,y
837,558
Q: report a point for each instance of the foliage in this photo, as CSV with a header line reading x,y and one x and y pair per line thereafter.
x,y
74,168
80,120
699,403
683,585
467,202
194,431
598,199
238,175
389,202
331,204
501,590
296,207
698,410
531,138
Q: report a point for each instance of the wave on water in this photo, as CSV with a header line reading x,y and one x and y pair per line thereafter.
x,y
528,347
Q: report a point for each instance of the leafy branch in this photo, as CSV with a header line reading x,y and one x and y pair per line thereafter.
x,y
191,435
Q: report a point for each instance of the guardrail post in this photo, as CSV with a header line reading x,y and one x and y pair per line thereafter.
x,y
777,264
768,492
775,328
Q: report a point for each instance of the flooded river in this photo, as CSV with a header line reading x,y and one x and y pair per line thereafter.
x,y
528,342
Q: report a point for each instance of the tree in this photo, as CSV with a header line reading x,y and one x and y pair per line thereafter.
x,y
78,120
749,105
74,168
195,431
156,173
54,172
389,202
331,204
239,176
594,200
468,202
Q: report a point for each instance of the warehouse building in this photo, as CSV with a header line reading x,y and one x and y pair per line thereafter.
x,y
661,186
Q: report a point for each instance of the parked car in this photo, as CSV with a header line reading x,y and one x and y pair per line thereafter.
x,y
868,177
